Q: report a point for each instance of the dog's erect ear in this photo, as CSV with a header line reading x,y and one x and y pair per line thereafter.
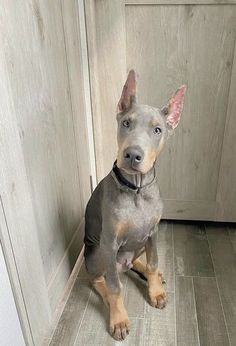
x,y
128,95
172,111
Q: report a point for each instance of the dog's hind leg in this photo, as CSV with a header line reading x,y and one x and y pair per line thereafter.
x,y
141,269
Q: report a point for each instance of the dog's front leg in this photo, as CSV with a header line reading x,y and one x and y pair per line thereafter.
x,y
119,322
157,294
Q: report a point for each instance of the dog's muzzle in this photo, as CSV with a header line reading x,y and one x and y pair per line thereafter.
x,y
133,156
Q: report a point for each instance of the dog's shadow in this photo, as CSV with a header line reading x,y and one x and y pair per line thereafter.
x,y
135,282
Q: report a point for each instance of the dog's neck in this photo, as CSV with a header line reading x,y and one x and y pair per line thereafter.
x,y
139,179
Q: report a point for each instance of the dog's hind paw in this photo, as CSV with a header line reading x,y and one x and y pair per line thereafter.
x,y
158,300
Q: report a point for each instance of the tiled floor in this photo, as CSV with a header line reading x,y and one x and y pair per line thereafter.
x,y
199,264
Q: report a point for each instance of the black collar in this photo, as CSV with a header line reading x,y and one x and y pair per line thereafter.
x,y
121,179
125,183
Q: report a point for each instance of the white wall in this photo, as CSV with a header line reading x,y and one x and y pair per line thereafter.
x,y
10,329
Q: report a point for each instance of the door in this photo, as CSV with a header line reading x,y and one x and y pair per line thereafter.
x,y
45,152
170,43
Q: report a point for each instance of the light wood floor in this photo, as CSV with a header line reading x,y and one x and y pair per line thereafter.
x,y
199,264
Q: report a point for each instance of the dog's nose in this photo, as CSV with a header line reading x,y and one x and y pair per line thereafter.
x,y
133,155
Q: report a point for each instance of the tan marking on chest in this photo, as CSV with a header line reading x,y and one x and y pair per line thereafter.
x,y
122,227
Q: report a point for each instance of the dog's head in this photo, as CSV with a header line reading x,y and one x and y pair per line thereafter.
x,y
142,130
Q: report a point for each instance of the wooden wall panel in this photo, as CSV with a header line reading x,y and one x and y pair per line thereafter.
x,y
42,101
226,194
107,63
45,156
173,45
170,43
18,226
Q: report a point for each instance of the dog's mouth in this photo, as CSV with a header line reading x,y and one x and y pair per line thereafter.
x,y
130,169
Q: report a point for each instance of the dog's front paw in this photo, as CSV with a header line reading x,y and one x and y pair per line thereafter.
x,y
158,299
119,329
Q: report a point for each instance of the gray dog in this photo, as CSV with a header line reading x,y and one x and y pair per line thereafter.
x,y
124,210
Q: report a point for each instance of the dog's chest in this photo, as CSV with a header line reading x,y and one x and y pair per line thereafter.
x,y
138,214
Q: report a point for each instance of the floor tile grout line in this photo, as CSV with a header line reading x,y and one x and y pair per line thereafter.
x,y
82,318
218,289
173,264
195,308
196,276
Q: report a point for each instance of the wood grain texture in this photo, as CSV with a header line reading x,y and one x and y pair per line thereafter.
x,y
64,299
165,253
212,329
94,326
71,318
76,71
87,92
227,187
136,336
172,45
18,224
194,308
45,123
192,254
168,46
186,316
232,235
136,291
45,157
160,325
107,63
83,273
224,260
179,2
189,210
64,269
100,336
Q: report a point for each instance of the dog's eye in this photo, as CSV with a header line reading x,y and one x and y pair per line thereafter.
x,y
126,123
157,130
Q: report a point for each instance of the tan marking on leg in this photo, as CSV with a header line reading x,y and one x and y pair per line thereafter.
x,y
139,266
157,294
119,321
138,253
100,286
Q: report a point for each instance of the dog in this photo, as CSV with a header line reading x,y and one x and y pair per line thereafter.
x,y
124,210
